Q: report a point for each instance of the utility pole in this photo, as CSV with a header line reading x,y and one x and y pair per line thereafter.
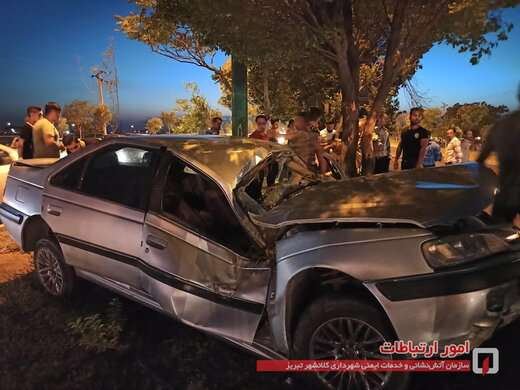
x,y
239,98
99,80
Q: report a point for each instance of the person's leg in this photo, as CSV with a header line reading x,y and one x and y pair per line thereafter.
x,y
386,164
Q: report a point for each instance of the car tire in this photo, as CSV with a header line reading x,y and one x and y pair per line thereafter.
x,y
56,277
333,311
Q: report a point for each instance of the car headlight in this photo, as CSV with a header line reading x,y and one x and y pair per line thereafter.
x,y
455,250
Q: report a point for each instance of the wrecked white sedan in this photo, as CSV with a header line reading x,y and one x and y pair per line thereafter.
x,y
237,238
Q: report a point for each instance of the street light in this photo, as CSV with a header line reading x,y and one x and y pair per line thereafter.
x,y
8,123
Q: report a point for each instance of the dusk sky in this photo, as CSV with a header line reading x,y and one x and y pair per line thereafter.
x,y
49,46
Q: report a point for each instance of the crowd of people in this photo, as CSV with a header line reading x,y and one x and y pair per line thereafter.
x,y
39,137
416,147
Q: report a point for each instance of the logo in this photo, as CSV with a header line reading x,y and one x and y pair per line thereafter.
x,y
416,135
485,361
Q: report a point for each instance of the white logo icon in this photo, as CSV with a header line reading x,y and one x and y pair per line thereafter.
x,y
485,361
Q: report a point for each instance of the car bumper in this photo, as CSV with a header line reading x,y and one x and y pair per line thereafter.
x,y
13,221
452,307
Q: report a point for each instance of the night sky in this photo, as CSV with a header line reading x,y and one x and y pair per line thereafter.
x,y
49,46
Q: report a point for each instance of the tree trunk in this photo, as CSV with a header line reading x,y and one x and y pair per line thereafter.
x,y
267,100
391,66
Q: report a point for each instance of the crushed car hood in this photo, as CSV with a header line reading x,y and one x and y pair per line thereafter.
x,y
423,197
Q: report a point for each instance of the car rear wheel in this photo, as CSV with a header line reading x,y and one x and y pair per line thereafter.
x,y
338,328
56,277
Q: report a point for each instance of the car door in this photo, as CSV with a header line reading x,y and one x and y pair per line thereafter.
x,y
201,264
96,208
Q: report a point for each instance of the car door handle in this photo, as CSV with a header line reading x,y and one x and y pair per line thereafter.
x,y
156,242
54,210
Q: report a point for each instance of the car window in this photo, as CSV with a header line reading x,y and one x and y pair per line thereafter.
x,y
122,174
277,178
69,178
197,202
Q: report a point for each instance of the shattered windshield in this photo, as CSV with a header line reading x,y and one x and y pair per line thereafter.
x,y
275,180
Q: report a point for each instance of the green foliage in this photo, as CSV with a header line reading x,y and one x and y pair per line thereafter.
x,y
195,112
101,117
80,113
100,332
433,121
170,120
62,125
154,125
474,117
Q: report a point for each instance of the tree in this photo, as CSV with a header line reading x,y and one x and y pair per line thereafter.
x,y
196,112
433,121
79,113
154,125
340,37
101,117
62,126
168,38
170,120
472,116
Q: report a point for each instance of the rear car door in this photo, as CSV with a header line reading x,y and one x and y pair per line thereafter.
x,y
96,207
201,264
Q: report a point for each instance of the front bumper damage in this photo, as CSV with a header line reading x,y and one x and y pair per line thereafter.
x,y
469,304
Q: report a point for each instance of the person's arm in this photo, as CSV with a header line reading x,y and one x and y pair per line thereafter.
x,y
398,155
422,152
49,135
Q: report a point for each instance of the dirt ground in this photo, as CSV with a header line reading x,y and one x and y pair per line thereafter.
x,y
38,350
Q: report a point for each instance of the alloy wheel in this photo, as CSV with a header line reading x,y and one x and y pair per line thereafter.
x,y
50,271
344,339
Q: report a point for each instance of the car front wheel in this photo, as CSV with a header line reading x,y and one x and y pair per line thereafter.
x,y
56,277
338,328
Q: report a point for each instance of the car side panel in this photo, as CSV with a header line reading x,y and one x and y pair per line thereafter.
x,y
92,232
204,284
363,254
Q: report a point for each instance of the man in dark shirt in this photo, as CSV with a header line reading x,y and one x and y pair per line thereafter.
x,y
26,147
414,142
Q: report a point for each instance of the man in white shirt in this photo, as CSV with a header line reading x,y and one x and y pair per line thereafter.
x,y
453,150
46,138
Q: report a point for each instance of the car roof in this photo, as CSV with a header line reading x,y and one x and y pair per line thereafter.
x,y
226,159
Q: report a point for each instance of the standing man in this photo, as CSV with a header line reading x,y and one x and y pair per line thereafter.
x,y
216,124
45,136
261,126
328,134
453,149
382,146
306,144
25,144
432,155
413,142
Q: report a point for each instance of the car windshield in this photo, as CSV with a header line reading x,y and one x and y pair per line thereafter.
x,y
274,180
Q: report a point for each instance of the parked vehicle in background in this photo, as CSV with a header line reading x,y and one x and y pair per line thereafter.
x,y
238,238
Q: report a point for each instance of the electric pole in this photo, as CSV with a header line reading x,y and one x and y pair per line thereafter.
x,y
100,81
